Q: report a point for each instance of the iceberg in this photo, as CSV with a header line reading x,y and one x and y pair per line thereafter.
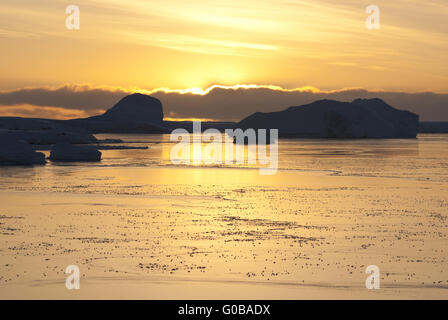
x,y
17,152
68,152
361,118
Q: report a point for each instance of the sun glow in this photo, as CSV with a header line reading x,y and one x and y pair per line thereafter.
x,y
178,44
202,92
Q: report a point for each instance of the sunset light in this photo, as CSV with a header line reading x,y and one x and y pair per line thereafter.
x,y
224,159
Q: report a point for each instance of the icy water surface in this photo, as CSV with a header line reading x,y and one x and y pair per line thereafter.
x,y
139,227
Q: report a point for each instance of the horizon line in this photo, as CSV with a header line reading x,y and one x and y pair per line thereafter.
x,y
81,87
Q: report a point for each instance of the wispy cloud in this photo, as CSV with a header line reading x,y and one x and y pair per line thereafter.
x,y
275,41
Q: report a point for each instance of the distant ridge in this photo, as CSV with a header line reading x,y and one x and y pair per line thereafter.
x,y
139,113
361,118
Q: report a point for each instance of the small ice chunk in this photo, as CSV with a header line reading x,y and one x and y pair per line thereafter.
x,y
69,152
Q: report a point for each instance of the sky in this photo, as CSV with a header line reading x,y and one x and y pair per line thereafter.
x,y
140,46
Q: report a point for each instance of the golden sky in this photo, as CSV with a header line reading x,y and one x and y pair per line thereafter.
x,y
184,44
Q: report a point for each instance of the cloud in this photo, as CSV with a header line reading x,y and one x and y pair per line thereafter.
x,y
46,112
85,98
226,103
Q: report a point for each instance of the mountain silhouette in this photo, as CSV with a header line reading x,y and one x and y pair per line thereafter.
x,y
362,118
135,113
139,113
134,107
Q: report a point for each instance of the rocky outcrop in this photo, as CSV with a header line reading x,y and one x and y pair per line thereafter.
x,y
135,113
136,107
370,118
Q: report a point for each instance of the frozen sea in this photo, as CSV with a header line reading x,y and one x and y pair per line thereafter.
x,y
139,226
